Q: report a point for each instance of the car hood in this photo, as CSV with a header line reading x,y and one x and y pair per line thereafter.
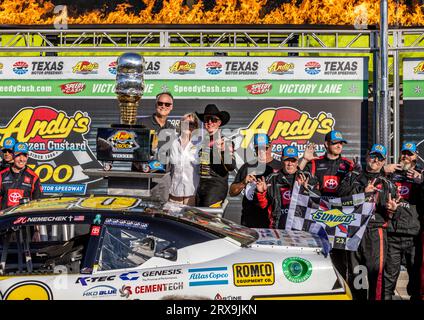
x,y
289,240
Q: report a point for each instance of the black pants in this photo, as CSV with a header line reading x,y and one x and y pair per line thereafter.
x,y
211,191
371,255
402,248
339,259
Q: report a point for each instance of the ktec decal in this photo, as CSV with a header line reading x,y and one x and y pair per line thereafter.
x,y
208,276
259,88
286,125
47,68
85,67
53,134
84,281
281,68
419,68
253,274
72,87
241,68
183,67
312,67
213,67
20,67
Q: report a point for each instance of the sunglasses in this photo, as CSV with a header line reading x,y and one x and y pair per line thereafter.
x,y
212,119
376,157
407,153
166,104
7,151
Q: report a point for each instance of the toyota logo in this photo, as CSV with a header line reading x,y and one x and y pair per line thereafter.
x,y
15,197
287,195
403,190
331,184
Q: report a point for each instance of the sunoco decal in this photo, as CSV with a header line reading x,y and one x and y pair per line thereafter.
x,y
297,269
58,151
288,127
253,274
334,218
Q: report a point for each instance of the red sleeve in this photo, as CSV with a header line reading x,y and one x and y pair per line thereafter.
x,y
350,163
313,167
262,200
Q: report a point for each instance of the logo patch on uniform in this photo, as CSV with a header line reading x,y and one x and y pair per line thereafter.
x,y
27,180
13,197
331,183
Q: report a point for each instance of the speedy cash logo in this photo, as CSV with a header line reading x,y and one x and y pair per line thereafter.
x,y
253,274
286,125
85,67
183,67
258,88
214,67
20,67
281,68
419,68
312,67
72,87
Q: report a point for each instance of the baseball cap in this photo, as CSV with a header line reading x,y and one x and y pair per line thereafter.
x,y
20,148
290,152
261,139
8,143
409,146
379,149
156,166
335,136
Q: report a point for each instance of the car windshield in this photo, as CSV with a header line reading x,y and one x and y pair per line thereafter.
x,y
213,222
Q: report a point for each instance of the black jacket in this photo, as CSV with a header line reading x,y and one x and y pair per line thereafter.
x,y
356,182
406,220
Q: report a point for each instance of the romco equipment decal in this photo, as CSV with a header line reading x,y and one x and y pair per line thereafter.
x,y
288,126
58,151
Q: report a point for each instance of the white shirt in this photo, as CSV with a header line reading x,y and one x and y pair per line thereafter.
x,y
184,168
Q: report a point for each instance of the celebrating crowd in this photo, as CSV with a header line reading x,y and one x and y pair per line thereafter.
x,y
199,169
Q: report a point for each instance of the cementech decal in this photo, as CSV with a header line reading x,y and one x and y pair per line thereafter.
x,y
253,274
288,126
58,150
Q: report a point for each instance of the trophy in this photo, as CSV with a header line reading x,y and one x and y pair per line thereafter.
x,y
129,85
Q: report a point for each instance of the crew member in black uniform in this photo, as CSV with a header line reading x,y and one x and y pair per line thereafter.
x,y
213,186
19,181
330,170
372,250
403,232
245,180
7,151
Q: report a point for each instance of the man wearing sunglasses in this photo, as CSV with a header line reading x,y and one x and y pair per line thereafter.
x,y
7,151
404,241
251,215
372,250
213,186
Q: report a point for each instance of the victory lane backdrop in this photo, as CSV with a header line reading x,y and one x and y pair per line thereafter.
x,y
294,99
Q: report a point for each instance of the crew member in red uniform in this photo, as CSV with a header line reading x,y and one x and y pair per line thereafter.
x,y
18,181
330,170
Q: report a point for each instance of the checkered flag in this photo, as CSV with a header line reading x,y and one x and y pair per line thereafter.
x,y
341,220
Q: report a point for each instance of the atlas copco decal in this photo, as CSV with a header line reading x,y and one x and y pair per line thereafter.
x,y
288,126
112,67
208,276
47,67
152,68
213,67
341,68
241,68
72,87
58,151
85,67
281,68
259,88
312,67
183,67
20,67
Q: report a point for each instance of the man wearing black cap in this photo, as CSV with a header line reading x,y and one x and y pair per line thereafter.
x,y
213,186
372,251
18,181
7,151
404,228
247,175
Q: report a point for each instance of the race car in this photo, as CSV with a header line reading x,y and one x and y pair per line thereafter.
x,y
110,247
